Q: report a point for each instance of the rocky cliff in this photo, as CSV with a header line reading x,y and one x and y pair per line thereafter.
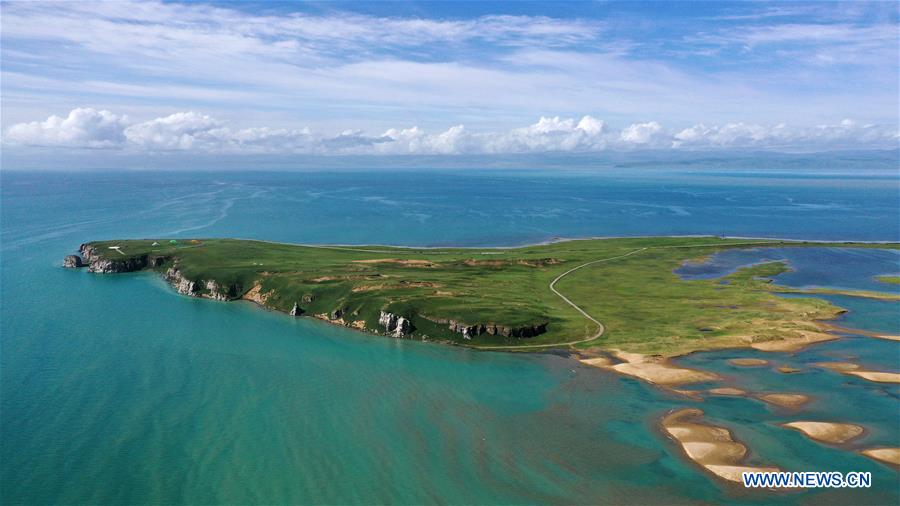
x,y
97,263
395,325
109,264
469,331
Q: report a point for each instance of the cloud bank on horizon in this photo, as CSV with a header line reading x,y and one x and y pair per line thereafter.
x,y
441,78
191,131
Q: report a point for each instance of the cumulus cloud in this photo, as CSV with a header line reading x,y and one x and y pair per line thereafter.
x,y
644,134
192,131
83,127
845,134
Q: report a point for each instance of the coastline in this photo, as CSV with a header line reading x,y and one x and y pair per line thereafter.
x,y
806,337
557,240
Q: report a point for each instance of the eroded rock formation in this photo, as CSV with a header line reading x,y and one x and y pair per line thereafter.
x,y
469,331
72,262
395,325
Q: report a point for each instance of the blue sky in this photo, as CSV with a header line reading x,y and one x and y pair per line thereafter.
x,y
447,77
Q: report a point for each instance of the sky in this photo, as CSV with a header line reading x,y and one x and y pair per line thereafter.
x,y
96,81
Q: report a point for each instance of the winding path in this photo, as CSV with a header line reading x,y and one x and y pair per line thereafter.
x,y
600,328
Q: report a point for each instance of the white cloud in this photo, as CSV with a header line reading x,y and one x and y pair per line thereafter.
x,y
197,132
177,131
83,127
845,134
508,68
646,134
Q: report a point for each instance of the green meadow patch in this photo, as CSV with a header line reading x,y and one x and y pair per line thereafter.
x,y
502,295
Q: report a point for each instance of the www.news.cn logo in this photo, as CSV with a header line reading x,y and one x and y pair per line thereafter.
x,y
809,479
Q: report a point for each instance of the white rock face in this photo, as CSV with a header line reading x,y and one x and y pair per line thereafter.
x,y
394,325
214,291
181,284
296,310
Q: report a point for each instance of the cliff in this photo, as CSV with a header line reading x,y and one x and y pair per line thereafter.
x,y
469,331
101,264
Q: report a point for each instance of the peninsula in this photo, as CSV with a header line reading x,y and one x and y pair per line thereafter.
x,y
617,293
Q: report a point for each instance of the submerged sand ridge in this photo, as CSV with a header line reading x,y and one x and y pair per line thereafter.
x,y
709,446
748,362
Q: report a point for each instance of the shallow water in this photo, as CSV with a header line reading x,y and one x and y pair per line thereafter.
x,y
848,268
116,390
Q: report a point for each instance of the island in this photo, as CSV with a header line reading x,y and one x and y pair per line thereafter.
x,y
618,294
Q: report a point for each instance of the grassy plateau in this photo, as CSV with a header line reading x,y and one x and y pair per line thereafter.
x,y
625,290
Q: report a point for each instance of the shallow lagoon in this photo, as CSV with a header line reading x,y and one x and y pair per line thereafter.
x,y
116,390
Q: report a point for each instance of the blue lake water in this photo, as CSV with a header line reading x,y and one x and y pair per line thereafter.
x,y
848,268
115,390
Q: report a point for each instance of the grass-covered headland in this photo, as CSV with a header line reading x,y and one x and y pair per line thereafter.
x,y
615,293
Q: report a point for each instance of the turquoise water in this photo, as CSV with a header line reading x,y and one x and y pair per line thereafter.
x,y
115,390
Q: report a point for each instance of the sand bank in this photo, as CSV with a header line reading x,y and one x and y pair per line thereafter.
x,y
787,369
867,333
854,370
838,366
727,391
596,361
827,432
785,400
877,376
885,455
748,362
709,446
790,344
653,369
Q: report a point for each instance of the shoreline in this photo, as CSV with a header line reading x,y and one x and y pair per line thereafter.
x,y
819,330
557,240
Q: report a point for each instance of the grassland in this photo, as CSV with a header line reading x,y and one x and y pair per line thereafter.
x,y
890,279
628,285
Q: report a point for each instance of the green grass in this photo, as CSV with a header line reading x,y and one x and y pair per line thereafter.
x,y
644,306
891,279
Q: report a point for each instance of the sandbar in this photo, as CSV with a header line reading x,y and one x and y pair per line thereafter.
x,y
854,370
885,455
711,447
653,369
838,366
785,400
788,370
748,362
596,361
877,376
727,391
827,432
807,337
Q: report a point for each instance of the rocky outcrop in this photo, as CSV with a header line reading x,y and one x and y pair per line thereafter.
x,y
218,292
72,262
109,266
88,252
181,284
100,264
296,311
395,325
469,331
